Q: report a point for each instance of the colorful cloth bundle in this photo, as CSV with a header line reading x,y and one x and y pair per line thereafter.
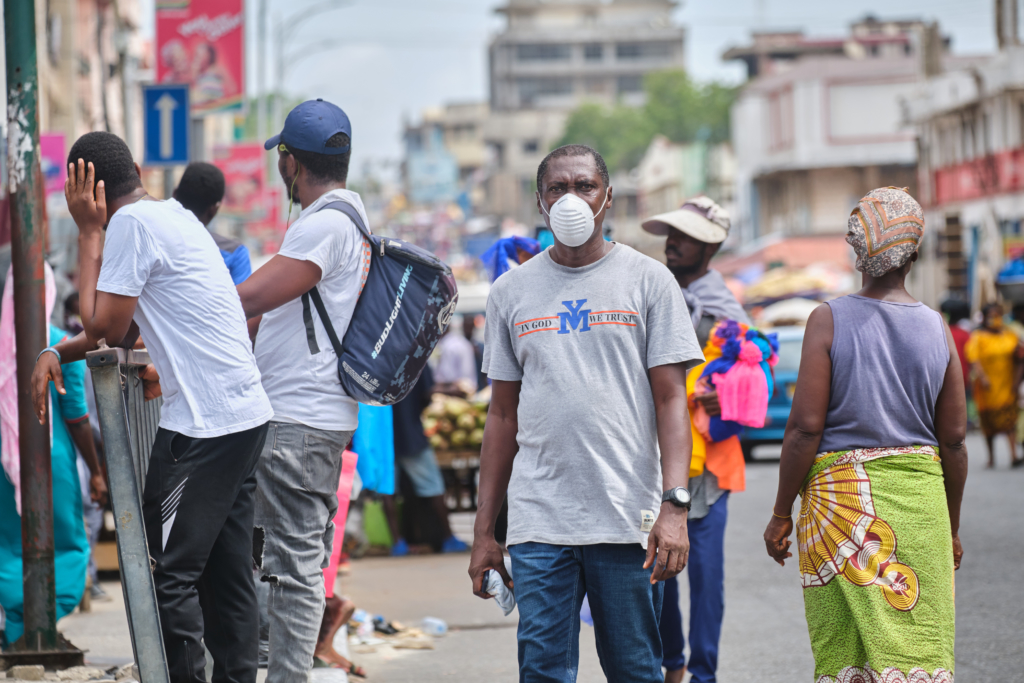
x,y
501,254
739,365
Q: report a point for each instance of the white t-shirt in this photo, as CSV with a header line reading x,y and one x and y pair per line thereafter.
x,y
190,317
303,386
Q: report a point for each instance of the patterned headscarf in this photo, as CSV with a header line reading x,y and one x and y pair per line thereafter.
x,y
885,230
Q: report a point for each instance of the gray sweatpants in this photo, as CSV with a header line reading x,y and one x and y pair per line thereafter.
x,y
296,500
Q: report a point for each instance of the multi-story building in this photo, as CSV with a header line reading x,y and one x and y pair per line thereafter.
x,y
559,53
445,155
970,126
813,132
774,51
552,56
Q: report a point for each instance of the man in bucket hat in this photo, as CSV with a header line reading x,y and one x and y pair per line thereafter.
x,y
695,233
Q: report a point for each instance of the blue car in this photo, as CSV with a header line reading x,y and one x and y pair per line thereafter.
x,y
791,340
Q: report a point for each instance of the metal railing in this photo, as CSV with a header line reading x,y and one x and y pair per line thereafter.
x,y
129,426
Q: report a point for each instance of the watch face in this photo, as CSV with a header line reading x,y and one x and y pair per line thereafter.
x,y
681,496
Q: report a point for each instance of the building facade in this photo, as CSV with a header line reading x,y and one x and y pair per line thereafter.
x,y
822,122
556,54
551,57
970,126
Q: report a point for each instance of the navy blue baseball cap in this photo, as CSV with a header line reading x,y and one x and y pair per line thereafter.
x,y
310,125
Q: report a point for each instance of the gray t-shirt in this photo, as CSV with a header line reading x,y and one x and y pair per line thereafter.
x,y
582,340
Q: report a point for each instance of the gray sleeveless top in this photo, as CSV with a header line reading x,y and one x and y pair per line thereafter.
x,y
888,364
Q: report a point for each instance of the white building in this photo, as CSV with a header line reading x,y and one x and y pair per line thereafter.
x,y
970,123
810,141
823,121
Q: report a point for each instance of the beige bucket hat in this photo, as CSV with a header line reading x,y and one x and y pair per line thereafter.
x,y
700,218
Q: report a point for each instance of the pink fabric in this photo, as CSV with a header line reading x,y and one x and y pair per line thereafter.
x,y
743,390
10,455
348,473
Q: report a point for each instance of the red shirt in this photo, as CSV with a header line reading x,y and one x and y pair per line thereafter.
x,y
960,337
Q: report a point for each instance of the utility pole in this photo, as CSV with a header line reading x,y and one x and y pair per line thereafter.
x,y
261,71
40,643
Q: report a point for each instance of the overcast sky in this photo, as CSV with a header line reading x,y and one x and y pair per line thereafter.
x,y
395,57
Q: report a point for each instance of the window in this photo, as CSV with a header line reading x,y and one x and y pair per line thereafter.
x,y
628,84
594,52
532,88
632,51
780,120
595,85
542,52
531,146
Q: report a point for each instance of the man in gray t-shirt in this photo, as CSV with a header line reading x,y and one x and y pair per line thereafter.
x,y
586,346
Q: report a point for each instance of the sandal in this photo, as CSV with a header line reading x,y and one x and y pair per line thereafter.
x,y
353,668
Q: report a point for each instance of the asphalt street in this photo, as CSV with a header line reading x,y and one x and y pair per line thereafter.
x,y
764,637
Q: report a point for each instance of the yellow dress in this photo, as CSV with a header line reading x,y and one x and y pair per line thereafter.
x,y
994,351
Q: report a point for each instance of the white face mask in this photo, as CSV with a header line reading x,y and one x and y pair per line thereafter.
x,y
571,219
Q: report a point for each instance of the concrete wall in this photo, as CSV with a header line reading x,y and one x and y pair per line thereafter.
x,y
824,113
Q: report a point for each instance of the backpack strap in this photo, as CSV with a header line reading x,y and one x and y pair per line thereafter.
x,y
350,211
307,315
314,294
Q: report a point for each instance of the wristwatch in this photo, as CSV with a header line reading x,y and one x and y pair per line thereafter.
x,y
678,496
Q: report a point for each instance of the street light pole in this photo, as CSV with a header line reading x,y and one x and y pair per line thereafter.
x,y
284,30
30,324
261,70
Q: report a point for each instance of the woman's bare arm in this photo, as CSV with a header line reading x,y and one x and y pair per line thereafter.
x,y
804,429
951,431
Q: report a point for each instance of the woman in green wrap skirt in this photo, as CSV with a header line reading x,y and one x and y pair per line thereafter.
x,y
875,450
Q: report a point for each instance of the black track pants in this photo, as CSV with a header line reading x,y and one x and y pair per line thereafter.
x,y
198,506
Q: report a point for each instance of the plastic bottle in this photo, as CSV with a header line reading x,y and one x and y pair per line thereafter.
x,y
434,626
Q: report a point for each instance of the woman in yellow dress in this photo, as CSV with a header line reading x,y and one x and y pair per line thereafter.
x,y
994,354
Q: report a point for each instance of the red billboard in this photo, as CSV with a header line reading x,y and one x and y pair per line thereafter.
x,y
245,172
998,173
202,43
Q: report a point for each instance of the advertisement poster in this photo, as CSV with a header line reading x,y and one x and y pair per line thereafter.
x,y
244,166
52,158
202,43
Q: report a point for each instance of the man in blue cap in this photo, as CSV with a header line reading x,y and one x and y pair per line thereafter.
x,y
299,469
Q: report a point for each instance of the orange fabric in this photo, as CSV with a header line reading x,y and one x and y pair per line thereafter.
x,y
725,460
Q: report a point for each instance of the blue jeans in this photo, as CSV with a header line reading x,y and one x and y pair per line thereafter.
x,y
550,582
707,598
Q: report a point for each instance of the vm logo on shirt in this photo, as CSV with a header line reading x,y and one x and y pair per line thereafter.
x,y
576,318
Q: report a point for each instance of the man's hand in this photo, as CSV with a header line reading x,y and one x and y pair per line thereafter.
x,y
958,552
89,211
150,382
668,546
486,555
776,539
98,487
47,370
710,403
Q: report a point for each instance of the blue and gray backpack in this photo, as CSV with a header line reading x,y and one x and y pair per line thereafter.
x,y
404,308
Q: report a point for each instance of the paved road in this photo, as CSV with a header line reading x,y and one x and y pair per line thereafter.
x,y
765,635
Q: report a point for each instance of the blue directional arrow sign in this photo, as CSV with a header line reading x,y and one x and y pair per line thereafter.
x,y
167,118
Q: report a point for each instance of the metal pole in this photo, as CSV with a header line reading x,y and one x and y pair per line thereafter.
x,y
27,248
261,71
129,427
168,182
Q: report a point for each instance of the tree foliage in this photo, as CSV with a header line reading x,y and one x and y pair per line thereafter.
x,y
676,107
